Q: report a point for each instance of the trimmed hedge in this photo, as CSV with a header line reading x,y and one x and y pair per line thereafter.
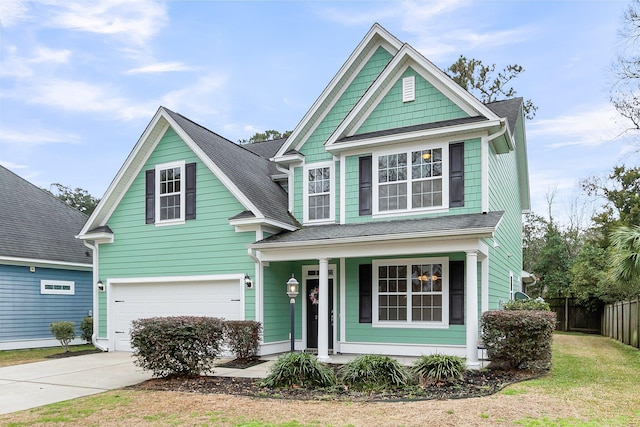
x,y
527,304
518,339
86,326
65,332
243,337
177,346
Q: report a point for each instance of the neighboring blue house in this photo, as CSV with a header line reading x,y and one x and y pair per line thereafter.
x,y
45,272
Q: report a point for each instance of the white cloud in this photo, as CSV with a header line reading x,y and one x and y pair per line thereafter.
x,y
12,166
160,67
203,98
86,98
135,21
46,55
592,127
12,11
38,137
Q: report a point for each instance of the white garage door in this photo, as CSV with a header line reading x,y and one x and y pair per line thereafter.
x,y
144,300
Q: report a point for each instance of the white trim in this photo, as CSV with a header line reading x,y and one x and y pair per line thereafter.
x,y
279,347
252,224
343,307
376,37
408,262
406,57
400,349
343,189
305,192
183,181
48,287
484,174
42,263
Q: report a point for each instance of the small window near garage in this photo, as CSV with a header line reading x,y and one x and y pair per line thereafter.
x,y
57,287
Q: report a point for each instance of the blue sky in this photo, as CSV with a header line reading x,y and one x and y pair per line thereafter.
x,y
80,80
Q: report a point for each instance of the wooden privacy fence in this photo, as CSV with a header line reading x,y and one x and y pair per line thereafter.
x,y
621,321
574,317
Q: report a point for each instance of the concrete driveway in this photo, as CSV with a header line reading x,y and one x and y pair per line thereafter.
x,y
41,383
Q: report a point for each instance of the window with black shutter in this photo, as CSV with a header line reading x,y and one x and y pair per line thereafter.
x,y
364,296
170,193
365,186
456,174
456,292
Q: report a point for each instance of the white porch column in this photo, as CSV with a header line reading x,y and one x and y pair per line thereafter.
x,y
323,312
472,309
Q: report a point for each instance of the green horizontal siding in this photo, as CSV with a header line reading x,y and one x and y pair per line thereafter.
x,y
207,245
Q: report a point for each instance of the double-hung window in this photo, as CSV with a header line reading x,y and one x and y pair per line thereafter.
x,y
411,180
318,193
170,192
411,292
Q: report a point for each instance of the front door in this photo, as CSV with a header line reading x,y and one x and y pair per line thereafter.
x,y
312,313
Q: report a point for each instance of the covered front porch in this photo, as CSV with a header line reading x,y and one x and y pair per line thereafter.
x,y
436,312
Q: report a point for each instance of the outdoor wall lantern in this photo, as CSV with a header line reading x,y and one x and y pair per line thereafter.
x,y
100,286
292,293
247,281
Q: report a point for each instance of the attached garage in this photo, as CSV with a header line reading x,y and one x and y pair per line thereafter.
x,y
160,297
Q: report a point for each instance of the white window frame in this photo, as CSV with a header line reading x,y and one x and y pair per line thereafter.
x,y
306,195
183,182
408,262
408,149
47,287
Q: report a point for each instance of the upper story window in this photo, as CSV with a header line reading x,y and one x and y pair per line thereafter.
x,y
170,193
410,180
318,189
411,292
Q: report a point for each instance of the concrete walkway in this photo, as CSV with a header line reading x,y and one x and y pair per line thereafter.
x,y
41,383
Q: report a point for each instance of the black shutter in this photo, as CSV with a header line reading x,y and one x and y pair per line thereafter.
x,y
365,284
456,174
190,191
365,186
150,196
456,293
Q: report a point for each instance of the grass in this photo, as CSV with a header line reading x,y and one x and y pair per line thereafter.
x,y
19,357
593,382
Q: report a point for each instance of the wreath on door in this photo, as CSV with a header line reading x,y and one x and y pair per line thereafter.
x,y
313,295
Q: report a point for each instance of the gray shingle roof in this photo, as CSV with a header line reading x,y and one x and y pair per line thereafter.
x,y
414,128
266,149
509,109
36,225
436,226
250,172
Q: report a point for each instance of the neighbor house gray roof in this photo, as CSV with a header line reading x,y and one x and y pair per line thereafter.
x,y
433,227
250,172
36,225
266,149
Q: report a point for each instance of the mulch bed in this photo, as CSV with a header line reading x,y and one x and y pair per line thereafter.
x,y
474,384
72,353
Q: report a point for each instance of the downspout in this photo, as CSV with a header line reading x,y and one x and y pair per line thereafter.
x,y
257,285
94,336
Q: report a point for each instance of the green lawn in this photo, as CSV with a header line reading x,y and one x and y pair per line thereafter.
x,y
595,381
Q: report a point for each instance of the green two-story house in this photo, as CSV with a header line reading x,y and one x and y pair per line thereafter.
x,y
396,203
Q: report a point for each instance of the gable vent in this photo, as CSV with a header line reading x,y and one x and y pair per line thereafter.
x,y
409,89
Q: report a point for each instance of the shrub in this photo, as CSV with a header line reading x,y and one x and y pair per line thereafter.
x,y
177,346
243,337
65,332
374,372
86,326
439,368
518,339
299,369
527,304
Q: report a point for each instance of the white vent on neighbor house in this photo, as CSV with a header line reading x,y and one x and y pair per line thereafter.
x,y
408,89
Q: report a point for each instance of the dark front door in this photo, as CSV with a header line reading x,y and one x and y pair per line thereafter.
x,y
312,313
